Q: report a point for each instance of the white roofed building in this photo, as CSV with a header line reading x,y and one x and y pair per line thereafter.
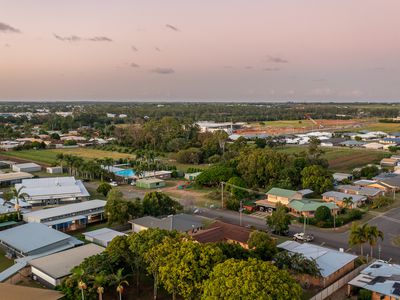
x,y
53,190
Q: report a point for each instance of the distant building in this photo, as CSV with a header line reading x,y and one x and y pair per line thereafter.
x,y
333,264
150,183
180,222
307,207
338,198
381,278
223,232
26,167
54,170
102,236
69,217
283,196
192,176
374,146
339,177
391,180
50,270
11,178
53,190
369,192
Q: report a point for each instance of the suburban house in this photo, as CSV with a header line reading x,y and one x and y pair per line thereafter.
x,y
50,270
26,167
69,217
369,192
381,278
333,264
283,196
307,207
223,232
339,177
102,236
339,197
53,190
192,176
180,222
372,184
388,162
391,180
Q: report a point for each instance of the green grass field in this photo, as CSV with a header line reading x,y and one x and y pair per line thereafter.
x,y
344,159
49,156
4,261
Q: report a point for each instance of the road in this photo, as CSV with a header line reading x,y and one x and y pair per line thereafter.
x,y
388,222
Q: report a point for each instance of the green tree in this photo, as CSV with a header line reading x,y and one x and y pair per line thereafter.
x,y
381,201
358,235
99,282
234,186
250,279
373,234
18,195
119,280
262,245
118,210
104,188
317,178
159,204
279,220
214,175
323,213
348,202
296,263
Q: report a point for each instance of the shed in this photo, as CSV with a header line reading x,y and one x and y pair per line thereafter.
x,y
26,167
54,170
150,183
102,236
192,176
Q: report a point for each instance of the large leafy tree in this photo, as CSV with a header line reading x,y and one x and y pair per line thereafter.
x,y
262,245
119,210
279,220
158,204
250,279
317,178
296,263
214,175
323,213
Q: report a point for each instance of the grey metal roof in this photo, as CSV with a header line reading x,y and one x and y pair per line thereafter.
x,y
339,196
328,260
26,165
180,222
59,265
365,191
75,208
31,236
105,235
389,179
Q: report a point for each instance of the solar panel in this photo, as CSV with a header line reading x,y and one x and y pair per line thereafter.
x,y
396,292
396,285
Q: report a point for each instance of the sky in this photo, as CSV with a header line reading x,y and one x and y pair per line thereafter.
x,y
208,50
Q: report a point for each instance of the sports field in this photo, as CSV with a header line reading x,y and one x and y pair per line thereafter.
x,y
49,156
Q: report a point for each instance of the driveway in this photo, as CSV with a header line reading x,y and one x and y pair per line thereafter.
x,y
388,222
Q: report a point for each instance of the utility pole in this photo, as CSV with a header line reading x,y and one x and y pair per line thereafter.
x,y
334,220
379,251
305,220
240,212
222,195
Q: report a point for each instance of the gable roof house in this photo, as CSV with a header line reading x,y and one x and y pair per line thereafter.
x,y
339,197
307,207
180,222
391,180
333,264
369,192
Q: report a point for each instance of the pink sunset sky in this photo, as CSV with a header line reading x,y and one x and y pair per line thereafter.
x,y
304,50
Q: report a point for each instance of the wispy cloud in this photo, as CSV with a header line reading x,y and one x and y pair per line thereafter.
x,y
163,71
271,69
134,65
157,49
277,59
75,38
169,26
134,49
8,29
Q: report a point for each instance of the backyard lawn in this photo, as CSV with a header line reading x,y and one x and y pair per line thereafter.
x,y
4,261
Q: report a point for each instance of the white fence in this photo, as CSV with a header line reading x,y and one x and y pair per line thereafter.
x,y
326,292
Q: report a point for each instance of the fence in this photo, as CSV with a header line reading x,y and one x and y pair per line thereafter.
x,y
326,292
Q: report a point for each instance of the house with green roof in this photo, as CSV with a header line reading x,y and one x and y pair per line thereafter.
x,y
283,196
307,207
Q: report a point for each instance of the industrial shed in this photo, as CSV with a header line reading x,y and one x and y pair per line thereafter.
x,y
26,167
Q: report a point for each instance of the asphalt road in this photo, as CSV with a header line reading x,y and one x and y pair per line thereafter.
x,y
389,223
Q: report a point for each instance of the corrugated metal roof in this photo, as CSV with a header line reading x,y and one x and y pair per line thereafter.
x,y
310,205
281,192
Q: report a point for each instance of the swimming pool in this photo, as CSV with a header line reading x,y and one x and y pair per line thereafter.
x,y
126,173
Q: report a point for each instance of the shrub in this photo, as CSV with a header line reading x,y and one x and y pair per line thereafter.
x,y
382,201
323,213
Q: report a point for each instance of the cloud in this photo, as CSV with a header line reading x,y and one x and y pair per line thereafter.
x,y
134,49
163,71
274,69
134,65
8,29
75,38
277,60
157,49
173,28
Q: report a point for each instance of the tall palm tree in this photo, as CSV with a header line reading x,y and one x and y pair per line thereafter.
x,y
373,234
119,279
348,202
18,195
358,235
99,281
78,273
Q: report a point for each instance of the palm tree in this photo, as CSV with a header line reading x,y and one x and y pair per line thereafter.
x,y
119,279
358,235
348,202
373,234
18,195
78,274
99,281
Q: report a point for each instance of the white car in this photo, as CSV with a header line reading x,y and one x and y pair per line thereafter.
x,y
302,237
113,183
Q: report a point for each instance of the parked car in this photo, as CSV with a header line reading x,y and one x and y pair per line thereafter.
x,y
302,237
113,183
